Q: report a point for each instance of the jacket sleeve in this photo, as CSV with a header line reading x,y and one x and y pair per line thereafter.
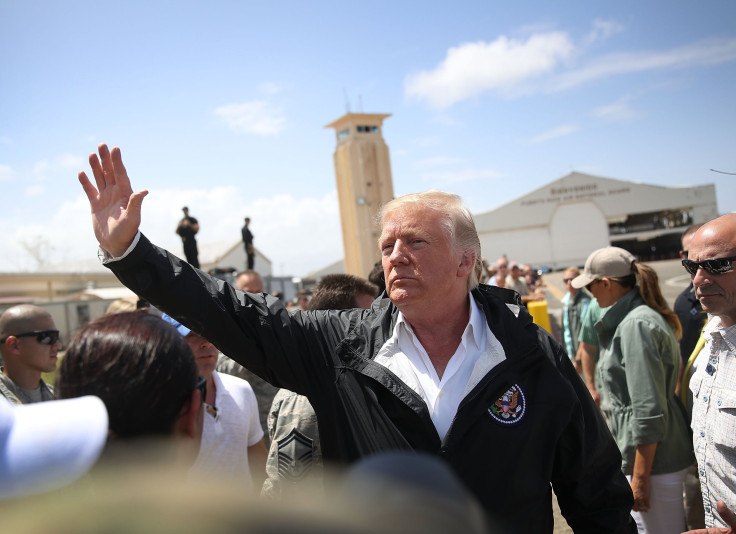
x,y
593,493
253,329
645,377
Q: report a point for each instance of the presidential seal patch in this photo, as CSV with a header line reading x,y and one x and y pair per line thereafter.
x,y
510,408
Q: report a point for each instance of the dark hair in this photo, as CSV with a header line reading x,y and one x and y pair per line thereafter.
x,y
651,294
338,291
377,276
139,366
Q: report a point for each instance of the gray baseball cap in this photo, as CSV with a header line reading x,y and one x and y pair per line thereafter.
x,y
613,262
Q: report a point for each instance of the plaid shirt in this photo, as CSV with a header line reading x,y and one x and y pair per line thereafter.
x,y
714,419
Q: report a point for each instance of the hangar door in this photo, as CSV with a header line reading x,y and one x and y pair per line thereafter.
x,y
576,230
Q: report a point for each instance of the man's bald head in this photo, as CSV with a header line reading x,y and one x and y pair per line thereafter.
x,y
716,291
21,318
718,232
249,281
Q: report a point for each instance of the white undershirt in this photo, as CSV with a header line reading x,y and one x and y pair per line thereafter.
x,y
478,352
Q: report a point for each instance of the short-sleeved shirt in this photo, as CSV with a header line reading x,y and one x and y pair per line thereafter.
x,y
714,419
587,332
227,436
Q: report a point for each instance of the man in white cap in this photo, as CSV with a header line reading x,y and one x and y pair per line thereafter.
x,y
47,445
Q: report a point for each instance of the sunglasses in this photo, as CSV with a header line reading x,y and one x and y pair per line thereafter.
x,y
589,287
566,280
714,266
45,337
202,386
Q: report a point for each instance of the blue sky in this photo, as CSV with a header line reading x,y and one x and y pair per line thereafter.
x,y
221,106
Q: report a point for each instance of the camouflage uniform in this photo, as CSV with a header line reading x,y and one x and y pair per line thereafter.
x,y
15,395
295,457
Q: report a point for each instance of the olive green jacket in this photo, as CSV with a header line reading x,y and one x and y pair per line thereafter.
x,y
638,368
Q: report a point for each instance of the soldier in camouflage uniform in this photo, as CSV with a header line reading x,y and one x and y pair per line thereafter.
x,y
29,343
295,454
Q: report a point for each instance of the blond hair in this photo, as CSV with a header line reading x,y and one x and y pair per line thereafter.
x,y
457,223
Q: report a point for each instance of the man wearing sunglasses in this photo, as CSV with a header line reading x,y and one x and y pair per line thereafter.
x,y
711,262
29,342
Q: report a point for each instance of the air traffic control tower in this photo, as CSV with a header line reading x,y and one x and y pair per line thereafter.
x,y
364,184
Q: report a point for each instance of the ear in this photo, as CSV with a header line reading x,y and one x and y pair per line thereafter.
x,y
467,264
12,343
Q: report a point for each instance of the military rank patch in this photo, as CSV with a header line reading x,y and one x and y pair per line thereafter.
x,y
510,408
295,456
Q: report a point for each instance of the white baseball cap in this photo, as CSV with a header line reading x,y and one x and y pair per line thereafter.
x,y
47,445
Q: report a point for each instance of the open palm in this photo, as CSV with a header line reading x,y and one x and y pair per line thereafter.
x,y
116,209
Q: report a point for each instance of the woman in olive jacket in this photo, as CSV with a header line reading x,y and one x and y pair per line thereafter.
x,y
638,367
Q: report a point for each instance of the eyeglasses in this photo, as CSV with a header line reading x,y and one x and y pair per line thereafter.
x,y
713,266
566,280
45,337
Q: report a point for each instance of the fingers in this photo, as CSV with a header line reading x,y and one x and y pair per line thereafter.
x,y
135,202
108,170
94,163
89,189
728,516
120,175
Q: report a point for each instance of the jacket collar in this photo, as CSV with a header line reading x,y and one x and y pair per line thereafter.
x,y
616,313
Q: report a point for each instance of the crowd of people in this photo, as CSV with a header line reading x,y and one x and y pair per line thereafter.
x,y
429,390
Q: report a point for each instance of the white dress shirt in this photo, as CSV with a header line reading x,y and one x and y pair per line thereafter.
x,y
478,352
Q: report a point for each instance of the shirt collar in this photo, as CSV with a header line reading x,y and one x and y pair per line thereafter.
x,y
714,327
475,330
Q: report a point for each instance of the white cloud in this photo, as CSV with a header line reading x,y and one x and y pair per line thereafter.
x,y
545,62
35,190
256,117
298,235
709,52
620,110
560,131
6,173
475,68
603,29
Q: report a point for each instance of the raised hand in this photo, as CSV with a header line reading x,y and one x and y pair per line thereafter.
x,y
116,210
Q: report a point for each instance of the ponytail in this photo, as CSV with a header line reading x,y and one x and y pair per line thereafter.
x,y
652,296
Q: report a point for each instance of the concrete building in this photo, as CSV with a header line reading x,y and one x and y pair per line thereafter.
x,y
364,184
561,223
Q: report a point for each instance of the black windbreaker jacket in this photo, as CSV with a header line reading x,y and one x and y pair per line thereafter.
x,y
528,426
